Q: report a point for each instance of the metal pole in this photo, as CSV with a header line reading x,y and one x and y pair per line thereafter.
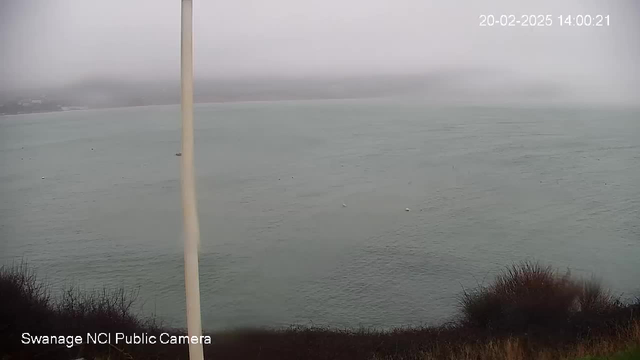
x,y
189,204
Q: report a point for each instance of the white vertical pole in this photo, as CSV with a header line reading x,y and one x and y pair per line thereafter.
x,y
189,204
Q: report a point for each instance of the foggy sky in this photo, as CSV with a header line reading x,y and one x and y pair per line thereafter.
x,y
57,42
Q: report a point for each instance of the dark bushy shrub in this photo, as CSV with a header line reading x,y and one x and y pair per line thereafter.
x,y
25,305
529,297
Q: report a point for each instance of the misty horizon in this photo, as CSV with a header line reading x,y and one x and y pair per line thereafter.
x,y
65,44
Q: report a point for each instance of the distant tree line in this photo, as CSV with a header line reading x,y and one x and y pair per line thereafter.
x,y
26,107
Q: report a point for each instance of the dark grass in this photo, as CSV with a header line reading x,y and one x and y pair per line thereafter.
x,y
630,354
528,307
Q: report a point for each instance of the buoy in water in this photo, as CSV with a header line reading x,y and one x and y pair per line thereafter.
x,y
407,209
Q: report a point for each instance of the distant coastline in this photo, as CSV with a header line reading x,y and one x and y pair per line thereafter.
x,y
260,100
446,87
60,108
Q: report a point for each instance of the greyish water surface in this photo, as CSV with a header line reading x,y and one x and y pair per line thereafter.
x,y
486,187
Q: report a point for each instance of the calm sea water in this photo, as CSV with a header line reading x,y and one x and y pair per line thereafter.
x,y
486,187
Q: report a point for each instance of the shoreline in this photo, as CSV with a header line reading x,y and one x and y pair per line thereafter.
x,y
454,103
196,104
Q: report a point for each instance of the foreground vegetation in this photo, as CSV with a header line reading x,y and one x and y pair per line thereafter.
x,y
528,312
630,354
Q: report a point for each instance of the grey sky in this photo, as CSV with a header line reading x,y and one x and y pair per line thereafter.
x,y
55,42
